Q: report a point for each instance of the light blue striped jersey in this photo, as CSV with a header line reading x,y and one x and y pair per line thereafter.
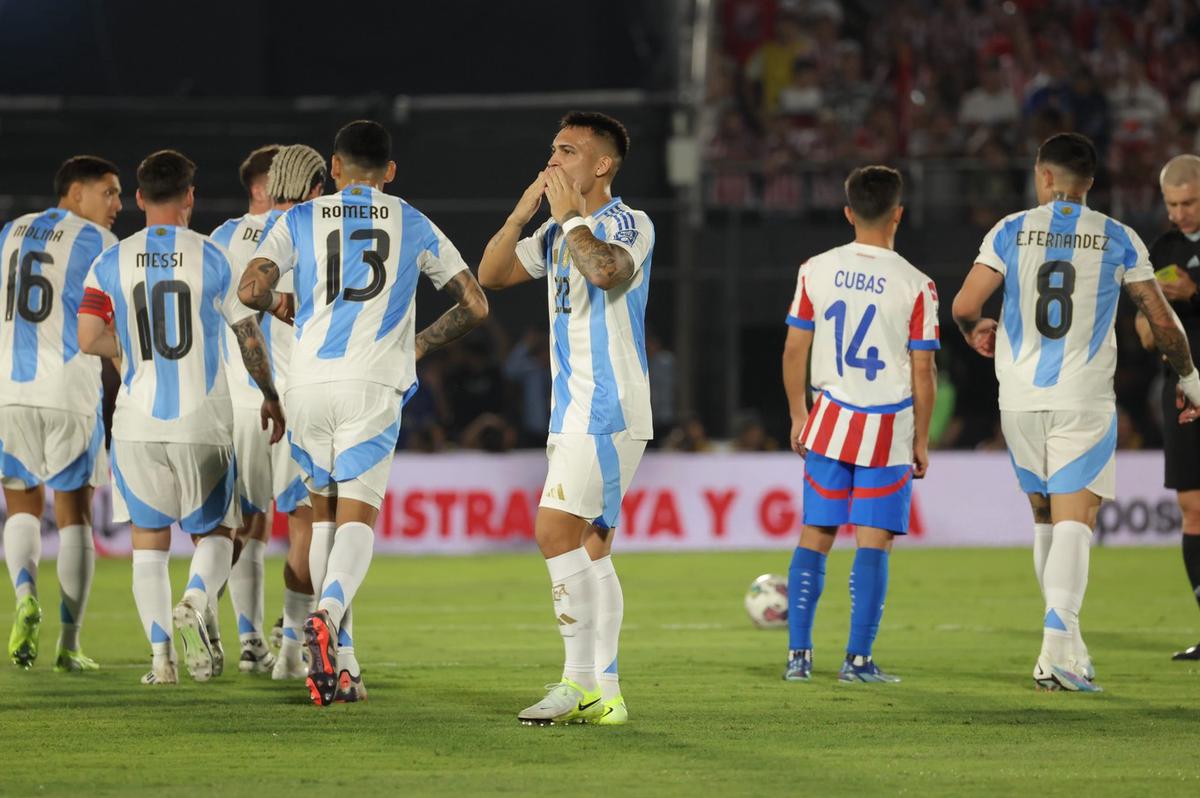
x,y
241,236
1063,266
44,258
173,292
356,256
600,376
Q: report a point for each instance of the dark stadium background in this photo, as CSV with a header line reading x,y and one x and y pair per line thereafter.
x,y
741,190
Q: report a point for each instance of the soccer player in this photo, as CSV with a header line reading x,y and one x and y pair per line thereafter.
x,y
266,472
240,236
169,291
1061,265
1176,259
595,252
356,256
869,319
50,427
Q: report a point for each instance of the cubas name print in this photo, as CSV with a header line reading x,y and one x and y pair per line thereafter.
x,y
872,284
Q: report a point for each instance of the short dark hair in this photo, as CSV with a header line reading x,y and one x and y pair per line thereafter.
x,y
1073,152
257,165
365,144
601,125
81,169
873,191
165,175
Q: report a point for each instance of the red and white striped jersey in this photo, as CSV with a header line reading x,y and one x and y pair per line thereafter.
x,y
868,308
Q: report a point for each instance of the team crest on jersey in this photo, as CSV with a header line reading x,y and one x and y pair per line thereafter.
x,y
626,236
1067,210
160,231
356,191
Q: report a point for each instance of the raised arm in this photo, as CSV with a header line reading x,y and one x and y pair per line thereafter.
x,y
469,312
795,382
604,265
500,267
924,392
967,309
258,363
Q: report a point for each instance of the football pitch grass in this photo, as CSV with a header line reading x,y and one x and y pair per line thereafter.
x,y
453,648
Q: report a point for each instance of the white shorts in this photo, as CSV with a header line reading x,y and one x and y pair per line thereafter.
x,y
1063,451
63,449
264,472
589,474
158,484
344,434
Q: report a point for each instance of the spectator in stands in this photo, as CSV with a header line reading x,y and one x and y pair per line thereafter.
x,y
802,97
750,434
770,68
848,93
661,363
1134,100
528,366
992,102
689,436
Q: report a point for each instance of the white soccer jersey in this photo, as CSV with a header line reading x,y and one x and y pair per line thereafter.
x,y
241,236
44,258
173,292
356,256
1063,266
598,365
868,308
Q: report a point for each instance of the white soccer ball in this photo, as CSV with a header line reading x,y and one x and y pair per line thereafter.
x,y
767,602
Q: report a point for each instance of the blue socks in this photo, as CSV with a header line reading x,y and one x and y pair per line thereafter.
x,y
806,580
868,589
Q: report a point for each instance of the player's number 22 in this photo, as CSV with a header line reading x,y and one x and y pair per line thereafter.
x,y
849,355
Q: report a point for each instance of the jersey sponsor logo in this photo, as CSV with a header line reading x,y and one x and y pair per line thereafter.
x,y
627,236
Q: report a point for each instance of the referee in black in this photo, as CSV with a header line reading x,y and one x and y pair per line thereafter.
x,y
1176,259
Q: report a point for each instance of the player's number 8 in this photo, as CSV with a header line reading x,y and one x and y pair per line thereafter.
x,y
22,296
1055,285
374,258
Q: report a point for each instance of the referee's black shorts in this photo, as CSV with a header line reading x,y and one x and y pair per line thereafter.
x,y
1181,443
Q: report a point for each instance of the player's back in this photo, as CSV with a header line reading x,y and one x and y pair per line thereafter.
x,y
173,292
45,258
868,308
241,236
357,255
1063,265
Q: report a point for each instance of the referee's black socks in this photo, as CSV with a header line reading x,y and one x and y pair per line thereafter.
x,y
1191,561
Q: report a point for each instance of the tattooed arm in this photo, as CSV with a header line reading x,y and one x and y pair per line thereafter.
x,y
1164,326
469,313
257,290
604,265
258,364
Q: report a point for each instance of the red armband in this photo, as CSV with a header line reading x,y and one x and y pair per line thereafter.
x,y
96,303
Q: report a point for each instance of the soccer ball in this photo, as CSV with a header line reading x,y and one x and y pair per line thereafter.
x,y
767,602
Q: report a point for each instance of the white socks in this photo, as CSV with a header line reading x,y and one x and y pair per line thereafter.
x,y
296,607
211,563
574,587
1064,583
610,609
318,551
246,590
22,551
349,560
152,594
76,566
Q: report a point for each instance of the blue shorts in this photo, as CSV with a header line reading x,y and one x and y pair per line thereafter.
x,y
836,493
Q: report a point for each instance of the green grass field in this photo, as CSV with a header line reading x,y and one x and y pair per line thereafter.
x,y
453,648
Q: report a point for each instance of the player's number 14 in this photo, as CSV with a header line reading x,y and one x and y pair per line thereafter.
x,y
871,364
